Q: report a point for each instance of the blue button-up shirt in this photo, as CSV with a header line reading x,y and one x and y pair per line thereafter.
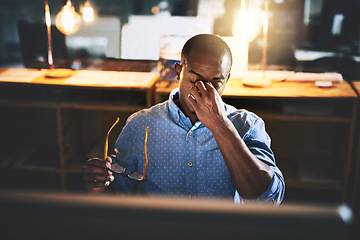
x,y
184,159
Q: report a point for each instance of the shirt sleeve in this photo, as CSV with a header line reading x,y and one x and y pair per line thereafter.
x,y
258,142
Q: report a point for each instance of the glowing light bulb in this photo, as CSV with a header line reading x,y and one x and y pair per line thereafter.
x,y
88,12
67,20
246,25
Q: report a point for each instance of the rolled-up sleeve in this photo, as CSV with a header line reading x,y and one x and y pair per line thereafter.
x,y
258,142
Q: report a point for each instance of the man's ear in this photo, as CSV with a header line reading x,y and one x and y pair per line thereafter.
x,y
228,77
177,69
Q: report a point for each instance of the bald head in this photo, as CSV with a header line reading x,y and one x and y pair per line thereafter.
x,y
207,44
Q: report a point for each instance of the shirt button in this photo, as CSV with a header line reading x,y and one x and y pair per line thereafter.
x,y
190,164
190,133
180,114
177,119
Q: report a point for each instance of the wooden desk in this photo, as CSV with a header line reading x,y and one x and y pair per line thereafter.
x,y
356,189
49,127
235,88
312,131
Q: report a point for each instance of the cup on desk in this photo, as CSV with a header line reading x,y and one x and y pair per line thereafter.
x,y
170,53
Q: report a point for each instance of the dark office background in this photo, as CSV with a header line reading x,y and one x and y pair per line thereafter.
x,y
287,28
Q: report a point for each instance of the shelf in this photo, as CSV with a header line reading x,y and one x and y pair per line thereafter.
x,y
83,133
313,155
101,106
298,118
30,179
44,158
290,183
311,178
319,110
53,96
75,167
27,131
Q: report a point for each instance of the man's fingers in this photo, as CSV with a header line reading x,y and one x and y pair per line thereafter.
x,y
192,100
99,162
201,87
92,185
95,169
98,178
198,89
96,174
209,86
194,91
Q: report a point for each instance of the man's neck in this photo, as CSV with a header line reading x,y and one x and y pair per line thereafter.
x,y
191,115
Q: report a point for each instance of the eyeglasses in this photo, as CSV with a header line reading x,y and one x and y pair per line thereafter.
x,y
118,169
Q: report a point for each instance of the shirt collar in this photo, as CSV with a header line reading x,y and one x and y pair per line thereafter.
x,y
172,97
175,112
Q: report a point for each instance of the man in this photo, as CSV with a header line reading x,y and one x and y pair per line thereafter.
x,y
197,145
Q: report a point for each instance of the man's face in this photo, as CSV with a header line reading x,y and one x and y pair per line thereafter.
x,y
199,67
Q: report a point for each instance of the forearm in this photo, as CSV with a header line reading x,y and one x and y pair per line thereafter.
x,y
250,176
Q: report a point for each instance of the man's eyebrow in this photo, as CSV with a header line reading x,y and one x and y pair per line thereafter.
x,y
197,74
200,76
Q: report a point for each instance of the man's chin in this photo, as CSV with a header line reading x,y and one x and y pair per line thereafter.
x,y
191,109
186,107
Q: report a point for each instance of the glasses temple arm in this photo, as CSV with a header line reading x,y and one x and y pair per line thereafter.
x,y
146,156
107,139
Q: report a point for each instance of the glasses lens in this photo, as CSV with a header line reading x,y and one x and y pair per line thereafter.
x,y
117,168
136,176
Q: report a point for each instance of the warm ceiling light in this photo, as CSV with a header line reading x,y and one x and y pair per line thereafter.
x,y
67,20
88,12
247,22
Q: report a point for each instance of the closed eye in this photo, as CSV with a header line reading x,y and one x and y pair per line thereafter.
x,y
216,85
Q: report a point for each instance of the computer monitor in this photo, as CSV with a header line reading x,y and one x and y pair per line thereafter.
x,y
338,27
64,216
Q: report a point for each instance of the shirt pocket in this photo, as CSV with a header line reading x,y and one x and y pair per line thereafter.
x,y
217,174
165,172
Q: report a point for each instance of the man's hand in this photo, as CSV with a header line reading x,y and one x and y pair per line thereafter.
x,y
250,175
96,174
208,105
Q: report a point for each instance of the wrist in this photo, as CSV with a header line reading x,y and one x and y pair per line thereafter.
x,y
220,126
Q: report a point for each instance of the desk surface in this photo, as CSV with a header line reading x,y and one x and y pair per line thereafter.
x,y
145,80
125,88
83,78
235,88
356,85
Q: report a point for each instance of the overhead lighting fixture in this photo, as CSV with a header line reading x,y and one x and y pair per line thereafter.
x,y
88,12
68,21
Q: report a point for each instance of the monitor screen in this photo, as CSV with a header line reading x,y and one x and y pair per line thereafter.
x,y
337,27
68,216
